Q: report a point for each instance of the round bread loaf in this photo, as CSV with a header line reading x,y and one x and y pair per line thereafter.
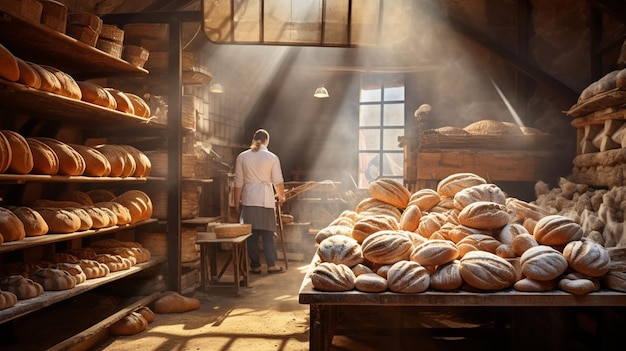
x,y
484,215
96,95
510,231
387,247
372,224
49,82
531,285
578,284
34,224
390,191
53,279
542,263
425,199
5,153
11,227
430,223
481,242
73,269
59,220
328,276
28,75
332,230
360,268
523,242
140,107
370,282
131,324
435,252
452,184
70,161
21,156
480,192
408,277
23,288
447,277
123,102
96,164
410,218
69,88
486,271
557,230
9,68
340,249
45,160
587,257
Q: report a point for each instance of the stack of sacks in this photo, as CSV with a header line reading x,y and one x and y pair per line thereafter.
x,y
467,234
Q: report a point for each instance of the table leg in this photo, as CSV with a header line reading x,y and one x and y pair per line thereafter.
x,y
321,327
236,267
245,269
204,261
213,260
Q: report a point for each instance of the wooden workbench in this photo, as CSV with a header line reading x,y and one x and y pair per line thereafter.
x,y
519,320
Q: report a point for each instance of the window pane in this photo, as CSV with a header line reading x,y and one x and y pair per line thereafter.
x,y
390,138
393,115
392,164
369,168
369,115
370,95
394,94
369,139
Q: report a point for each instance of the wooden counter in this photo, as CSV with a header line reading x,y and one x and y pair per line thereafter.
x,y
328,310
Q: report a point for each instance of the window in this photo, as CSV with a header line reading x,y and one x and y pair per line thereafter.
x,y
381,122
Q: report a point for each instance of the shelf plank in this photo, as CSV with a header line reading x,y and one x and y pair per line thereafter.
x,y
24,307
43,45
43,178
33,241
201,220
41,104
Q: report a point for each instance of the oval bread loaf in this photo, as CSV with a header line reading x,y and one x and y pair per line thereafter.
x,y
484,215
70,161
387,247
390,191
11,227
45,160
340,249
9,68
328,276
587,257
97,95
410,218
131,324
28,75
372,224
486,271
34,224
480,192
370,282
557,230
542,263
452,184
578,284
21,156
408,277
447,277
435,252
425,199
96,164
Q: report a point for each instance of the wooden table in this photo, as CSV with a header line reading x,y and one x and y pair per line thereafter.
x,y
527,314
239,259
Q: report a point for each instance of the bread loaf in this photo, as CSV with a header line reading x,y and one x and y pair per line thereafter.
x,y
28,75
557,230
328,276
491,127
69,87
482,242
390,191
587,257
34,224
93,268
138,203
70,161
430,223
99,218
410,218
510,231
5,153
122,164
408,277
435,252
21,156
140,106
54,279
97,95
370,282
11,227
452,184
360,268
531,285
121,214
77,196
101,195
332,230
49,82
9,68
123,102
484,215
371,224
59,220
447,277
7,299
578,284
74,269
131,324
486,271
425,199
542,263
387,247
45,160
146,313
340,249
23,288
480,192
96,164
85,219
142,162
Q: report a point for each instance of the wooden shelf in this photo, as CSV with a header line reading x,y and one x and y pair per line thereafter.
x,y
43,45
200,220
48,298
42,178
41,104
33,241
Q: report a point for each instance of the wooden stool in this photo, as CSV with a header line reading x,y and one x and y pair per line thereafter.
x,y
238,258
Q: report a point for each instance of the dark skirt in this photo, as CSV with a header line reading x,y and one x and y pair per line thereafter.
x,y
259,217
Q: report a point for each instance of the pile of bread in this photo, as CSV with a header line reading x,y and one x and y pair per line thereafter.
x,y
487,127
49,156
74,211
52,80
467,234
615,79
67,269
